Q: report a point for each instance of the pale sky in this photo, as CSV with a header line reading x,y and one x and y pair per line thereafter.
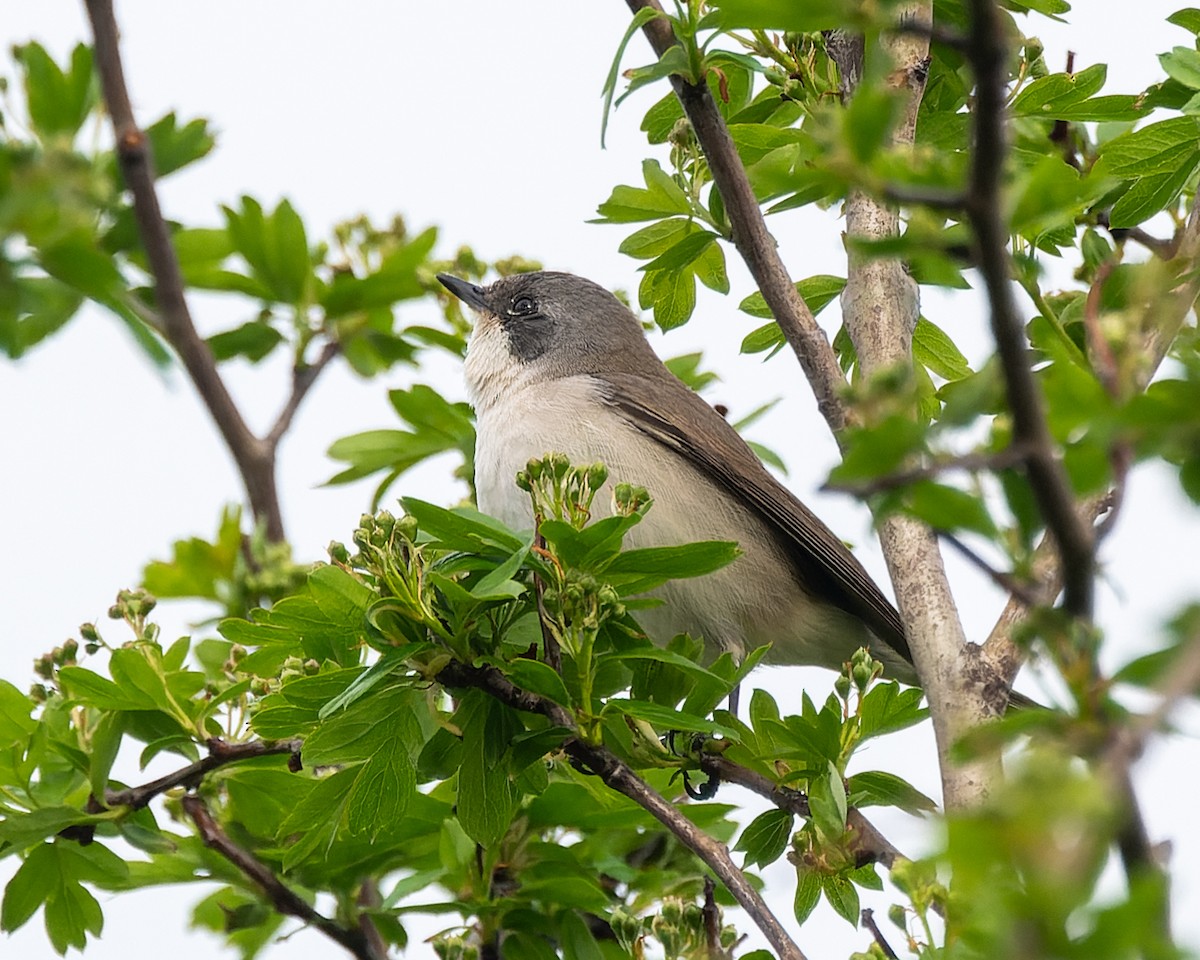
x,y
482,118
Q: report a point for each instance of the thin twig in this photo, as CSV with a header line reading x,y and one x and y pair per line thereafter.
x,y
712,922
220,753
1010,456
868,921
750,235
285,900
303,377
617,775
253,457
987,53
1024,592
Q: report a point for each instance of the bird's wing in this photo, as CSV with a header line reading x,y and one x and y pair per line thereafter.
x,y
701,435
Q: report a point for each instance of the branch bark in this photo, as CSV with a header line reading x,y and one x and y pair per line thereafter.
x,y
285,900
220,754
750,235
618,776
254,456
986,52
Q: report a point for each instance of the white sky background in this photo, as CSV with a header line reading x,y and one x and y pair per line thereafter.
x,y
482,118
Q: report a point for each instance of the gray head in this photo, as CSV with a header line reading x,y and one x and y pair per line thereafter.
x,y
548,325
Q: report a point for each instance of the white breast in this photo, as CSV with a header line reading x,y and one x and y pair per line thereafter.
x,y
754,600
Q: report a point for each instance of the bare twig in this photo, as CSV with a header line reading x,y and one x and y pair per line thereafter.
x,y
712,922
303,377
220,753
750,235
868,921
1024,592
285,900
618,776
986,51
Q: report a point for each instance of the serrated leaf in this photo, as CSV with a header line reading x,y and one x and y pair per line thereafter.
x,y
766,837
842,896
808,893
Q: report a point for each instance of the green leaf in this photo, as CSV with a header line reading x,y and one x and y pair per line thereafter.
x,y
275,246
808,893
877,788
498,583
1188,18
664,718
382,790
662,197
59,101
252,340
1045,96
537,677
486,797
672,296
933,349
786,15
682,253
842,896
948,508
106,742
461,528
576,939
1159,159
15,722
652,240
174,147
887,708
766,837
1183,65
640,19
636,571
32,884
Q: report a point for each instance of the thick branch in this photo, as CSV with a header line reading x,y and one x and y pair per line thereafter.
x,y
219,754
618,776
282,897
1073,538
255,458
750,235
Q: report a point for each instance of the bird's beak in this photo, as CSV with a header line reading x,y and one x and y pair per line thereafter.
x,y
468,293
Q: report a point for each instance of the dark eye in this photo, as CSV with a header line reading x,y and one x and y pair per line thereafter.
x,y
523,305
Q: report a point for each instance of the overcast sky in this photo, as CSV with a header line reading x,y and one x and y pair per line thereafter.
x,y
482,118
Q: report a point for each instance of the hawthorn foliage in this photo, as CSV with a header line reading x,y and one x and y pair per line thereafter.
x,y
450,717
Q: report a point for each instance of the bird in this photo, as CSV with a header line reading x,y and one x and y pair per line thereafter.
x,y
556,363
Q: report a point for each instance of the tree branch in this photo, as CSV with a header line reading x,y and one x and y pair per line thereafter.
x,y
750,235
220,753
618,776
283,898
986,52
254,457
303,377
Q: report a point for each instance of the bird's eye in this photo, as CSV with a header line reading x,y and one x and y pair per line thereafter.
x,y
523,305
